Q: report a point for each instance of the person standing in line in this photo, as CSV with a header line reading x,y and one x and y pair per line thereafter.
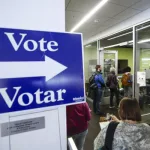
x,y
98,91
78,116
127,82
112,83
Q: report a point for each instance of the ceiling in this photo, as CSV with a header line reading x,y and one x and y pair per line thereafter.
x,y
113,12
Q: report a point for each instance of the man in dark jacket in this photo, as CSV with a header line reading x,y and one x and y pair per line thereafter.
x,y
112,83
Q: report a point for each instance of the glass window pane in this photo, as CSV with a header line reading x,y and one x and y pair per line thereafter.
x,y
142,84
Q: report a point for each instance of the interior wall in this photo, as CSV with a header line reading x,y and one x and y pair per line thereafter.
x,y
137,19
33,14
89,54
47,15
125,53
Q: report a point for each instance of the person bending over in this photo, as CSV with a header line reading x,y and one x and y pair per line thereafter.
x,y
130,133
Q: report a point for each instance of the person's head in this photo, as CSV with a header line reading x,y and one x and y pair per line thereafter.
x,y
112,69
129,110
128,69
98,68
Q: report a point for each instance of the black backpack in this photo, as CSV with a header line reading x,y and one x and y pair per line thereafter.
x,y
110,135
92,83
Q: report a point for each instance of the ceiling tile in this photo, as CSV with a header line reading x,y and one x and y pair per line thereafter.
x,y
73,16
110,10
99,18
110,22
66,2
82,5
142,5
127,14
125,2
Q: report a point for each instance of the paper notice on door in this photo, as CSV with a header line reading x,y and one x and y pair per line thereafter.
x,y
141,78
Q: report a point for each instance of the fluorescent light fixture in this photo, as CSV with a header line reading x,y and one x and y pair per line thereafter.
x,y
88,45
119,44
145,59
89,15
144,41
128,33
119,36
123,43
143,28
112,46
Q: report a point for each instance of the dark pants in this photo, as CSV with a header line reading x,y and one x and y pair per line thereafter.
x,y
112,93
97,99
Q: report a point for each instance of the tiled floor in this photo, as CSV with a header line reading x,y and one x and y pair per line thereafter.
x,y
94,124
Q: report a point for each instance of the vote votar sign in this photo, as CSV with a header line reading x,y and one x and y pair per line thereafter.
x,y
39,69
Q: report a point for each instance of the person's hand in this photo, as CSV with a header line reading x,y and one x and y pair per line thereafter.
x,y
114,118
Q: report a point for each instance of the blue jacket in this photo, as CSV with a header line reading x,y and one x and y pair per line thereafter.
x,y
99,79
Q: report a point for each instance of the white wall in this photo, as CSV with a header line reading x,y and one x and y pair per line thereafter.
x,y
90,53
46,15
139,18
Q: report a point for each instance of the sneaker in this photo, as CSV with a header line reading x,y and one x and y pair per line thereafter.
x,y
111,106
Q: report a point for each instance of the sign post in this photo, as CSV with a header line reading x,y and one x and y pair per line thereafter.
x,y
39,70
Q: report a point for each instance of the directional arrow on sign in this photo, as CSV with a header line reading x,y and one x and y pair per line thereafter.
x,y
48,68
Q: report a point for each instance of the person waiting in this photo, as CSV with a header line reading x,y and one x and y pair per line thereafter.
x,y
112,83
78,116
127,82
99,81
130,134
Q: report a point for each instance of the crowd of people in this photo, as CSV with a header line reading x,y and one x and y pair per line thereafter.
x,y
125,133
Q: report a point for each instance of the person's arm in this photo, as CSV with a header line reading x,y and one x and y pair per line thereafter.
x,y
100,78
114,118
87,112
100,139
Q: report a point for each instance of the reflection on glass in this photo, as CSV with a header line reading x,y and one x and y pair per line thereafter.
x,y
143,65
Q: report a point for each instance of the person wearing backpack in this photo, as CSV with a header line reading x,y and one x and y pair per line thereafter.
x,y
112,83
127,82
100,84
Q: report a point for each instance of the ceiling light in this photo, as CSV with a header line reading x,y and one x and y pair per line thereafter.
x,y
119,36
112,46
144,41
145,59
89,15
143,28
119,44
88,45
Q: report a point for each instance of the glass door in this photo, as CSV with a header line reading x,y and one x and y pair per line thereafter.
x,y
142,68
108,59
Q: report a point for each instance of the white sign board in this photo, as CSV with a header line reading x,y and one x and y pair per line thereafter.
x,y
141,78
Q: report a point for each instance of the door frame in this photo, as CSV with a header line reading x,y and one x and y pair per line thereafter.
x,y
101,57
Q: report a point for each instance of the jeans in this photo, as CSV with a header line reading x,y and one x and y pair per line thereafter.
x,y
112,93
79,139
128,91
97,100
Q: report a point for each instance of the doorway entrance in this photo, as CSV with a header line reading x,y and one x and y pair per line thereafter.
x,y
107,59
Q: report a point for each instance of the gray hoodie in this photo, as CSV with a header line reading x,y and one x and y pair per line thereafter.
x,y
127,137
